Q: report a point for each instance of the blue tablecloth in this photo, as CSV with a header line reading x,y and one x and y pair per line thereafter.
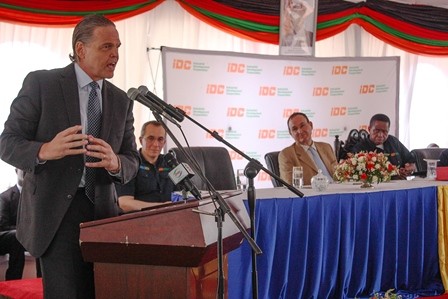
x,y
342,246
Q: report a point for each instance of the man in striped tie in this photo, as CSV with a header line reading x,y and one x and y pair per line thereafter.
x,y
51,135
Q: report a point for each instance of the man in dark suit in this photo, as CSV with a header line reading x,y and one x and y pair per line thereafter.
x,y
379,140
48,135
300,153
9,201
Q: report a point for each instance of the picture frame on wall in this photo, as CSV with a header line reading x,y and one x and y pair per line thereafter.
x,y
298,20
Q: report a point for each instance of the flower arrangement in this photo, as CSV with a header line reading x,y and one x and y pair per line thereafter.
x,y
371,167
387,295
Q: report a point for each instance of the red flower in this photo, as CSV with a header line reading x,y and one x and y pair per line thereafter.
x,y
390,167
363,176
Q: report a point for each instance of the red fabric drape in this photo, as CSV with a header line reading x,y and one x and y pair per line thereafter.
x,y
256,36
68,13
413,28
232,12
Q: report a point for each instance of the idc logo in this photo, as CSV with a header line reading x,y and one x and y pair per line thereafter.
x,y
367,88
291,70
263,177
236,68
338,111
364,127
187,109
215,89
288,111
235,112
181,64
267,134
320,132
339,70
219,131
267,91
235,156
321,91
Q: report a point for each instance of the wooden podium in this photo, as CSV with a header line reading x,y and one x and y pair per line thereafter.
x,y
166,252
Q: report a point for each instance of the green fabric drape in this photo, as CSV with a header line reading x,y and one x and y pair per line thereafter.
x,y
414,28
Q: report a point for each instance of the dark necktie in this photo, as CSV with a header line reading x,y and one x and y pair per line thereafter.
x,y
319,163
93,128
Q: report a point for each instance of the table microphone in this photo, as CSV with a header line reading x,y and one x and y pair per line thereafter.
x,y
181,174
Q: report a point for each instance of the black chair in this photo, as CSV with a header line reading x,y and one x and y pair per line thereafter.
x,y
215,164
354,136
271,159
425,153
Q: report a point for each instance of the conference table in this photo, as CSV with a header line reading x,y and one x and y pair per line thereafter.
x,y
346,242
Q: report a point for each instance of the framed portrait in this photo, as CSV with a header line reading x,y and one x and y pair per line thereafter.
x,y
297,27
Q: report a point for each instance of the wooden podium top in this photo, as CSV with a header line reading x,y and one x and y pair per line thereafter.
x,y
175,234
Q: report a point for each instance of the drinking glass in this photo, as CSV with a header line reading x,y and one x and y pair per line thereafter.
x,y
297,176
241,180
431,171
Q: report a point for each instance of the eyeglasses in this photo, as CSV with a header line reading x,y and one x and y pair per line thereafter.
x,y
152,139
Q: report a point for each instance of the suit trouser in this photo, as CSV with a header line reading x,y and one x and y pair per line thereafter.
x,y
9,244
64,272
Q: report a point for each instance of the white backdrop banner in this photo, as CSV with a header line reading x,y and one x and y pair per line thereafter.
x,y
247,98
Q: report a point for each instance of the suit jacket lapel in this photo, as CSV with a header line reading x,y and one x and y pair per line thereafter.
x,y
108,113
324,156
69,86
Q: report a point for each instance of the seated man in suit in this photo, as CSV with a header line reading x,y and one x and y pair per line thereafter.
x,y
9,202
379,140
305,152
151,186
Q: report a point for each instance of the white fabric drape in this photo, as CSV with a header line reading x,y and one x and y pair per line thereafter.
x,y
25,48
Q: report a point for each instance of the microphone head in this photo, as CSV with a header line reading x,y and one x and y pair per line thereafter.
x,y
143,89
172,153
133,93
170,159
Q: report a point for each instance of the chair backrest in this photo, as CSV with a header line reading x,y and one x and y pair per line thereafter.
x,y
354,136
215,164
425,153
271,159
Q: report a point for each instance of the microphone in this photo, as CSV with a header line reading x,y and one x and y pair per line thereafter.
x,y
135,95
181,174
174,112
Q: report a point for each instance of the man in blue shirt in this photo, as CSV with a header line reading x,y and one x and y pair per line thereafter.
x,y
152,185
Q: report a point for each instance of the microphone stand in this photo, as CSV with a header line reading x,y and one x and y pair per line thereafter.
x,y
251,170
253,162
219,212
